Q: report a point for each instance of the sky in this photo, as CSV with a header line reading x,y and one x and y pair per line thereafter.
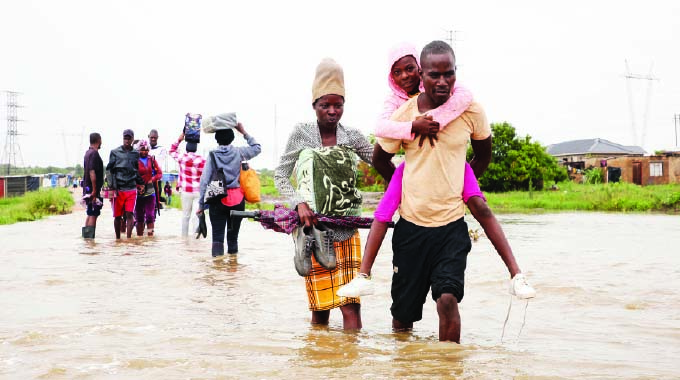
x,y
553,69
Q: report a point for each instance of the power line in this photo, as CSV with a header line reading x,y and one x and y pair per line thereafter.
x,y
645,116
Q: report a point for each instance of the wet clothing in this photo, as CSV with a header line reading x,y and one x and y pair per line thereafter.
x,y
189,208
145,209
322,284
94,208
219,220
93,161
427,257
124,202
124,169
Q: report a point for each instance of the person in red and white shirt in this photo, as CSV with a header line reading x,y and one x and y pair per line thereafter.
x,y
191,166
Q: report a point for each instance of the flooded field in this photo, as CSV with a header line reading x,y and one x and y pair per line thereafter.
x,y
608,306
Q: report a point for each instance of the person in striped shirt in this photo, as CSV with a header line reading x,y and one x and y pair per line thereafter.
x,y
191,166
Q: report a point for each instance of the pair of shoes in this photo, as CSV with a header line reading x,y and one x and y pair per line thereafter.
x,y
202,228
303,252
361,285
324,247
520,288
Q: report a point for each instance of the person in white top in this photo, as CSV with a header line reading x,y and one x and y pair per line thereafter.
x,y
160,153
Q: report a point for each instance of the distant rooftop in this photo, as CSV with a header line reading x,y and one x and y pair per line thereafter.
x,y
592,146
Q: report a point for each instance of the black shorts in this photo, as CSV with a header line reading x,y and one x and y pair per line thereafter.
x,y
94,209
427,257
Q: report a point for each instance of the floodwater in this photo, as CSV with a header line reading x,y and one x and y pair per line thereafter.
x,y
608,307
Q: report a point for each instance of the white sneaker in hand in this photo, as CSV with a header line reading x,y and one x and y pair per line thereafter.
x,y
520,288
361,285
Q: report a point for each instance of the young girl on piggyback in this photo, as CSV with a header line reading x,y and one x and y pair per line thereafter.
x,y
404,79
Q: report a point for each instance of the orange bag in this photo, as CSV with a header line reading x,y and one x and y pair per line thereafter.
x,y
250,183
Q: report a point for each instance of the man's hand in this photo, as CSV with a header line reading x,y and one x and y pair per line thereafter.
x,y
307,217
240,129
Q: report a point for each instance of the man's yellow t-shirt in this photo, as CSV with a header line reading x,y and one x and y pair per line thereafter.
x,y
433,177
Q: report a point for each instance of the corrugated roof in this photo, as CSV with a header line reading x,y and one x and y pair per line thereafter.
x,y
592,146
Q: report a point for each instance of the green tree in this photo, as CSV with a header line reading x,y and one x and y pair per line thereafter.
x,y
79,171
518,163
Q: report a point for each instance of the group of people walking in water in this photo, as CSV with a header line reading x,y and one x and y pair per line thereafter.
x,y
428,115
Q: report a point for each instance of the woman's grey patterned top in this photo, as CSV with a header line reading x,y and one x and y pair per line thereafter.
x,y
306,135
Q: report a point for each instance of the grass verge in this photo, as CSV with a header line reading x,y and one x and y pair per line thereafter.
x,y
35,204
622,197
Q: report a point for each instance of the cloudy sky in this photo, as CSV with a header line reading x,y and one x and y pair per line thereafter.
x,y
554,69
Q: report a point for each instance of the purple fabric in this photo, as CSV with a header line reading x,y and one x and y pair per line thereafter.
x,y
392,199
145,209
470,185
283,219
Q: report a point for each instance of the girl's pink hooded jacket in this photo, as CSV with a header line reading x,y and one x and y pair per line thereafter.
x,y
460,100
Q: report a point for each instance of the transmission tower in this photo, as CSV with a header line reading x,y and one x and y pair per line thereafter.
x,y
452,38
650,79
81,141
12,148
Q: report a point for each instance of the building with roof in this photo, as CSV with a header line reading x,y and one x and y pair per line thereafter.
x,y
619,162
580,150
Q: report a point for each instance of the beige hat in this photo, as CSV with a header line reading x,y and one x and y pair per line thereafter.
x,y
329,79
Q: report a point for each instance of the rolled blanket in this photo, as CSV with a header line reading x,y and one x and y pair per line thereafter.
x,y
213,124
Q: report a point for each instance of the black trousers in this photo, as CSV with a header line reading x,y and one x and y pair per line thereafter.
x,y
219,219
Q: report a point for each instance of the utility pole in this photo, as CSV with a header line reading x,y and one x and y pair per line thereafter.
x,y
276,141
676,123
12,148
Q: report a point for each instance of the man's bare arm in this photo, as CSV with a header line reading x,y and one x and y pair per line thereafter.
x,y
482,158
382,162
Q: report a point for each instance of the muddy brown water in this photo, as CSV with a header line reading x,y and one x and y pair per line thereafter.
x,y
608,307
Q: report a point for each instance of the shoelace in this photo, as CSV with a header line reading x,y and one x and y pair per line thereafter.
x,y
507,316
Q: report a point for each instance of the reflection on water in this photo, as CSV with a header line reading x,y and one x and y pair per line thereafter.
x,y
161,307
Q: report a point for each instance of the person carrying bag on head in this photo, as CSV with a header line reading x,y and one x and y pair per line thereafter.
x,y
224,165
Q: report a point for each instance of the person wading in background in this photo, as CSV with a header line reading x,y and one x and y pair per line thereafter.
x,y
92,184
191,166
123,166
